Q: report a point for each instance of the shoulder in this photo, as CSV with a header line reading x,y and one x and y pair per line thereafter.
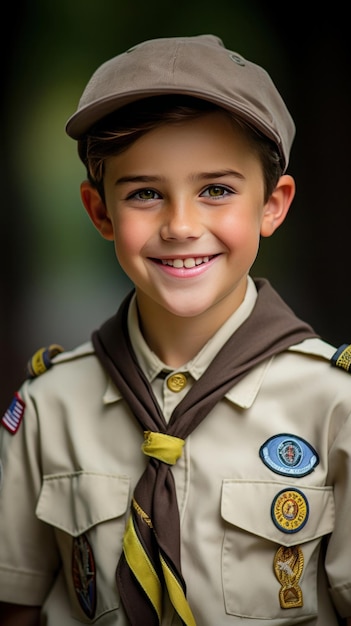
x,y
53,375
70,371
73,380
320,367
315,347
339,358
53,355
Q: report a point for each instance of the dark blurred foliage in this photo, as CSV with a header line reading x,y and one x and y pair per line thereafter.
x,y
58,278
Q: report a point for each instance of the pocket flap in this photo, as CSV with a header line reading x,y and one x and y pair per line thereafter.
x,y
76,502
248,505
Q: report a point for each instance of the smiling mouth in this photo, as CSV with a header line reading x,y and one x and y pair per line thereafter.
x,y
189,262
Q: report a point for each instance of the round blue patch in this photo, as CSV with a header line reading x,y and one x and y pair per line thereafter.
x,y
289,455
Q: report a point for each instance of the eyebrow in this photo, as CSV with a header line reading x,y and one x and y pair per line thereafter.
x,y
219,174
201,176
138,179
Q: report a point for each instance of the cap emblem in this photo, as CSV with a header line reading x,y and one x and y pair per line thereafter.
x,y
237,59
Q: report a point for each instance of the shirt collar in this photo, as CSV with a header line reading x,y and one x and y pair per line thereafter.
x,y
243,394
152,365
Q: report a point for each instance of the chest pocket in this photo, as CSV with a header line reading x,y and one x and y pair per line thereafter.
x,y
88,513
251,571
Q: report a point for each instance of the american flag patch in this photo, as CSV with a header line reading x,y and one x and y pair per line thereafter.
x,y
13,416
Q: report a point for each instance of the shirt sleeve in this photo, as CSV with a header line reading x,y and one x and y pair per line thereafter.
x,y
338,555
29,557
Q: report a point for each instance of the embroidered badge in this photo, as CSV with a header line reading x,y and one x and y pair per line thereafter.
x,y
342,357
289,455
41,361
13,416
84,575
288,566
290,510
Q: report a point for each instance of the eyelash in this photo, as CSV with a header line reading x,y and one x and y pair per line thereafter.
x,y
136,195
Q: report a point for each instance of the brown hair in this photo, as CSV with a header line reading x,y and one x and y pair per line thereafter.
x,y
117,131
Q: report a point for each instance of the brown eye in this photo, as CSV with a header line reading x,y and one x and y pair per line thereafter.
x,y
146,194
216,191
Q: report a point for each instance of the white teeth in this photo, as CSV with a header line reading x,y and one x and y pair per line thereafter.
x,y
190,262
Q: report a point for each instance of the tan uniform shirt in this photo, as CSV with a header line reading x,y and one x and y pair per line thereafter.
x,y
262,482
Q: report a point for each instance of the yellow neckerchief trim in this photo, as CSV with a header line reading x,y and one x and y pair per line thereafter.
x,y
146,575
177,596
142,567
163,447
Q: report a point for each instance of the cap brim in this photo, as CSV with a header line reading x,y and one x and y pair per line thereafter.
x,y
86,117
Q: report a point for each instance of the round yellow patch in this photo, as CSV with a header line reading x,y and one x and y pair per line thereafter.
x,y
290,510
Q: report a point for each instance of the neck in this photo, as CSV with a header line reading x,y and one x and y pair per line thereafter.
x,y
175,339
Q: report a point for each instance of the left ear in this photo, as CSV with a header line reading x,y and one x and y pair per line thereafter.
x,y
277,207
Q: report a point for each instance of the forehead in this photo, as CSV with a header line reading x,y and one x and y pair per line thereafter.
x,y
212,141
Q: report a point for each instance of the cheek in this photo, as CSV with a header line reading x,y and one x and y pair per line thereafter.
x,y
130,237
240,229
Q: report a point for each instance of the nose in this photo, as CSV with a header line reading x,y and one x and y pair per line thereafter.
x,y
181,221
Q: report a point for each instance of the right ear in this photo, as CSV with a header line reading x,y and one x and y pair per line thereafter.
x,y
96,209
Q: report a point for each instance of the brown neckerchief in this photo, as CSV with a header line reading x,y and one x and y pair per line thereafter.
x,y
270,329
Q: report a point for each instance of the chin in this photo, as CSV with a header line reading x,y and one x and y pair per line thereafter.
x,y
188,310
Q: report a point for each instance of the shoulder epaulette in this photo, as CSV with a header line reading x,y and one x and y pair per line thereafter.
x,y
342,357
41,361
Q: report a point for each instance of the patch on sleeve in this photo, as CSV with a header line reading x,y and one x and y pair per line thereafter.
x,y
41,361
342,358
14,414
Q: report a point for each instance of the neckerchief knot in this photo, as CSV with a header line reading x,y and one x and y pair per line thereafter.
x,y
165,448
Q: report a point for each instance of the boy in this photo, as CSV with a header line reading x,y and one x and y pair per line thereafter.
x,y
190,464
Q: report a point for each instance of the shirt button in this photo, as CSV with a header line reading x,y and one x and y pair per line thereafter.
x,y
176,382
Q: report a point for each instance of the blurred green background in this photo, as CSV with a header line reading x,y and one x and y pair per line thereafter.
x,y
59,278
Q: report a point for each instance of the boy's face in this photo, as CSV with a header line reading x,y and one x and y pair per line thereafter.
x,y
185,207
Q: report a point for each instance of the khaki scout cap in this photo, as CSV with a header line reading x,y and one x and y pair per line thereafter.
x,y
198,66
